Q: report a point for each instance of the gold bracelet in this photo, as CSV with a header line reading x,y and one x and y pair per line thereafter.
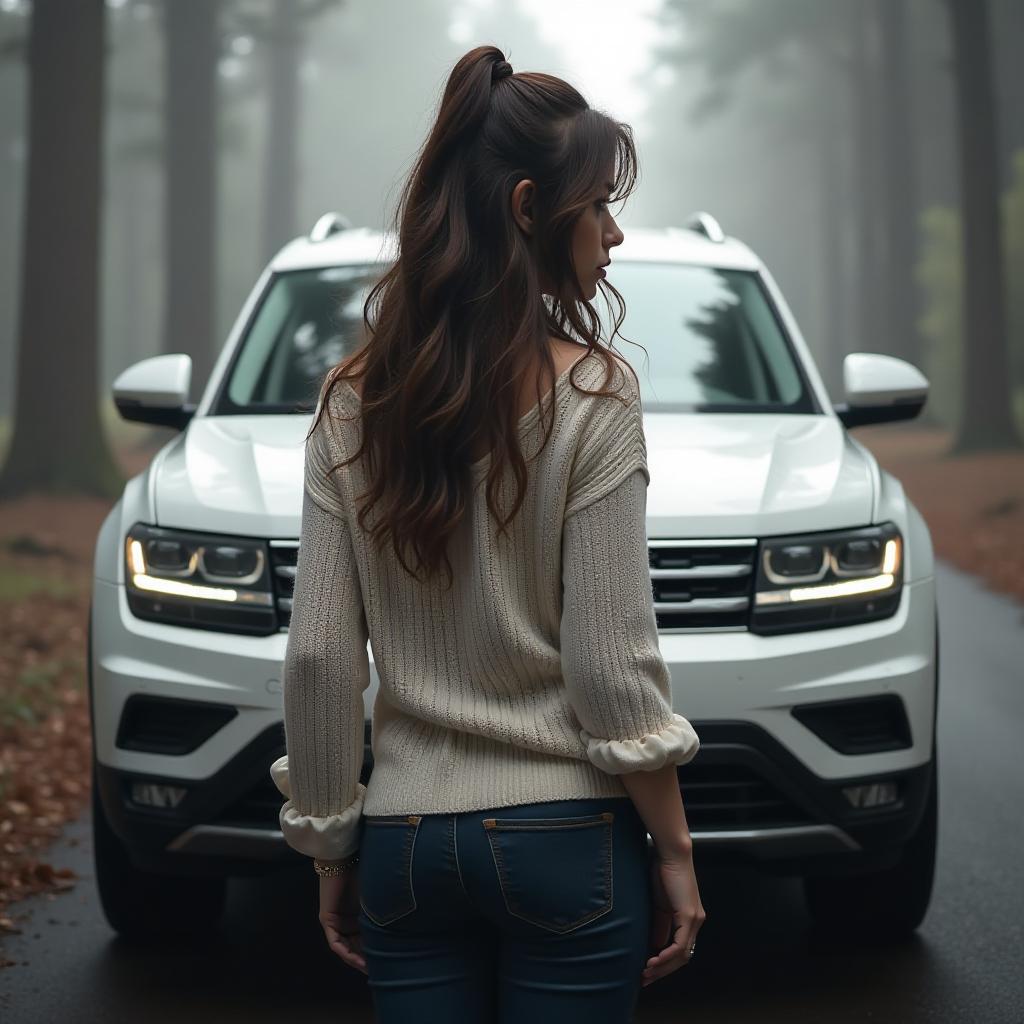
x,y
331,869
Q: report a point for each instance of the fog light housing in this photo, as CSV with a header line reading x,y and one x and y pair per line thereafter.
x,y
158,795
873,794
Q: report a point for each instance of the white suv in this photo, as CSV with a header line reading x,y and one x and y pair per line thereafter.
x,y
793,585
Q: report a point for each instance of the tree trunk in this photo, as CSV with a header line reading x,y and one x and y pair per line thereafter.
x,y
58,443
898,187
834,254
12,145
190,143
279,174
1008,38
987,420
865,163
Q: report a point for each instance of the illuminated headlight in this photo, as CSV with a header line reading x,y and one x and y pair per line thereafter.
x,y
828,579
199,580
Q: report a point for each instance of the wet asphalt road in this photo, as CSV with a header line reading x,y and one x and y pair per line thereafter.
x,y
755,961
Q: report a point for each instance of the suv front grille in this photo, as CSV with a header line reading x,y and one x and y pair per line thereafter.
x,y
702,585
698,585
284,556
731,796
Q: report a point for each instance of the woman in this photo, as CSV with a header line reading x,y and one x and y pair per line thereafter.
x,y
474,506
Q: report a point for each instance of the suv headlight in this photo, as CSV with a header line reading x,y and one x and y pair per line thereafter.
x,y
200,580
813,581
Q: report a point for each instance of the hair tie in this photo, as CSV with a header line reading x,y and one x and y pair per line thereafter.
x,y
502,69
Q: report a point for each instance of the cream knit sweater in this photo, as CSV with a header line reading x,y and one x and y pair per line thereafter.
x,y
538,677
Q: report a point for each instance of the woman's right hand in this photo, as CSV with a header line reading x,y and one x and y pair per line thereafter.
x,y
676,914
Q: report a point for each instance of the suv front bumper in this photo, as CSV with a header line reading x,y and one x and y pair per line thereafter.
x,y
228,823
763,787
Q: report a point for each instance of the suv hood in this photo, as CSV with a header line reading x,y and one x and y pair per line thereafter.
x,y
753,475
712,475
235,474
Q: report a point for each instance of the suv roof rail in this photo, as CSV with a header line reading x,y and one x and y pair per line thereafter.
x,y
327,225
706,225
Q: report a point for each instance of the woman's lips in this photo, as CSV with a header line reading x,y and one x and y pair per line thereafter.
x,y
601,271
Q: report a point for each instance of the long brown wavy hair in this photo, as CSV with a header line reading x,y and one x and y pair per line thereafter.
x,y
460,317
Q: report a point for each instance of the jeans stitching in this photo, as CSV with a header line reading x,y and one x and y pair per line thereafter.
x,y
609,872
407,861
412,851
455,842
586,821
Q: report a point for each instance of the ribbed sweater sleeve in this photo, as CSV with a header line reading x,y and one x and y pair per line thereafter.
x,y
326,671
618,682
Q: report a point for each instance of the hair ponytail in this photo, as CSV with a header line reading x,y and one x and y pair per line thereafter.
x,y
466,99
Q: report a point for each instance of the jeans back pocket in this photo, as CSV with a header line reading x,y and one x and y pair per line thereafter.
x,y
555,873
386,890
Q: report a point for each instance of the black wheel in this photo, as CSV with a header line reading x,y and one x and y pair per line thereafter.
x,y
880,905
145,906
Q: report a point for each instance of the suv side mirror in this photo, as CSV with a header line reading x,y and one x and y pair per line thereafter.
x,y
880,389
156,391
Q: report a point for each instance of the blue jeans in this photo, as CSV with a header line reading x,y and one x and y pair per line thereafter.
x,y
532,913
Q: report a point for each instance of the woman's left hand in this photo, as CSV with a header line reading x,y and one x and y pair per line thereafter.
x,y
339,917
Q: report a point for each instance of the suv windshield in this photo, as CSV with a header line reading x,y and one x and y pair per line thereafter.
x,y
714,340
308,321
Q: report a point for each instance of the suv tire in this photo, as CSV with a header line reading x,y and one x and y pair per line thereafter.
x,y
144,906
886,904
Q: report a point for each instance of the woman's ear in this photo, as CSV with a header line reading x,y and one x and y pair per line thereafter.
x,y
522,205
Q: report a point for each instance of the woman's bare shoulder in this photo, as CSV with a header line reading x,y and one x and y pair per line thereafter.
x,y
565,353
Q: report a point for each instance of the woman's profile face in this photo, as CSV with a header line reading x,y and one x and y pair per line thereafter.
x,y
594,234
593,237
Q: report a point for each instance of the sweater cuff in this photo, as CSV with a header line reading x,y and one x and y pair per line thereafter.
x,y
332,837
676,743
